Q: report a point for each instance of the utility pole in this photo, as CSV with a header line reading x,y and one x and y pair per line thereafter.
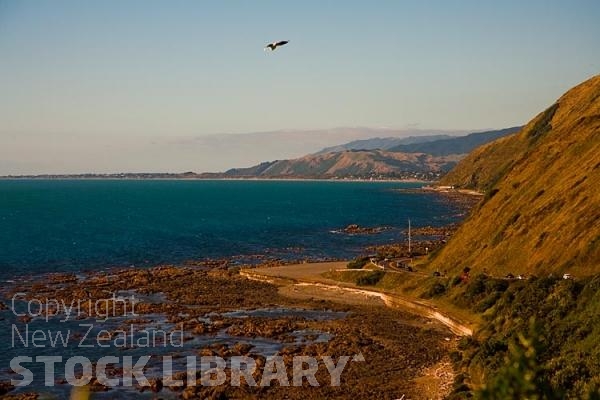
x,y
409,240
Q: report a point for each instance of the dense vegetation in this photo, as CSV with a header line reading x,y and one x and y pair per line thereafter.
x,y
539,339
370,279
358,263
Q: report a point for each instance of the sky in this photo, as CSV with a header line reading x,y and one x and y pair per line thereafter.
x,y
124,85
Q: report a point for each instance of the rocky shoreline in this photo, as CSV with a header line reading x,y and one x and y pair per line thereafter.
x,y
204,298
355,229
197,301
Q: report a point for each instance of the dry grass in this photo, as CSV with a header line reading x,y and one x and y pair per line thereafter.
x,y
541,212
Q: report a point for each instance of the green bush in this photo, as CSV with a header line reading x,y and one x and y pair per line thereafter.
x,y
358,263
482,293
476,287
466,342
456,281
496,285
556,357
522,376
437,289
487,302
370,279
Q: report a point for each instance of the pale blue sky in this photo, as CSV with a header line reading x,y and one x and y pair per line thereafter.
x,y
79,78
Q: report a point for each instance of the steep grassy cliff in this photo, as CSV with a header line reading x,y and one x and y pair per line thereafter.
x,y
541,211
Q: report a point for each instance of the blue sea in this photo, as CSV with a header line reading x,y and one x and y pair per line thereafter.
x,y
79,225
75,225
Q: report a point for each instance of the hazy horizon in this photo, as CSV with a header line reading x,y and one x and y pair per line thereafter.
x,y
173,154
176,86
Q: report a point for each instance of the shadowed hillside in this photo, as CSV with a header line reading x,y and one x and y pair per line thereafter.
x,y
455,145
382,143
541,211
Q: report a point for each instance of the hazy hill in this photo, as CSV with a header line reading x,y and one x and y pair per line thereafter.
x,y
382,143
454,145
437,145
356,163
541,210
367,158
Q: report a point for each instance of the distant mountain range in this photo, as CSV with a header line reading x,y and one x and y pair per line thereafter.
x,y
426,157
385,143
352,164
454,145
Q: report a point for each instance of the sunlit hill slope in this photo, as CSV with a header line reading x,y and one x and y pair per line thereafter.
x,y
541,211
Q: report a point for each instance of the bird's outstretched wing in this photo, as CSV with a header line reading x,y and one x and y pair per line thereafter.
x,y
273,46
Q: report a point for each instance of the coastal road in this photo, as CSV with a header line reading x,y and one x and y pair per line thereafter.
x,y
294,280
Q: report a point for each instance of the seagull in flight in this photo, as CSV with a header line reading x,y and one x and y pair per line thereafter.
x,y
274,45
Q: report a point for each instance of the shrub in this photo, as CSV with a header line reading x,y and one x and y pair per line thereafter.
x,y
358,263
476,287
436,290
522,376
467,343
540,342
487,302
370,279
496,285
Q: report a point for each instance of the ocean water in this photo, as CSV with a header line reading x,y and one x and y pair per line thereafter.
x,y
77,225
74,225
